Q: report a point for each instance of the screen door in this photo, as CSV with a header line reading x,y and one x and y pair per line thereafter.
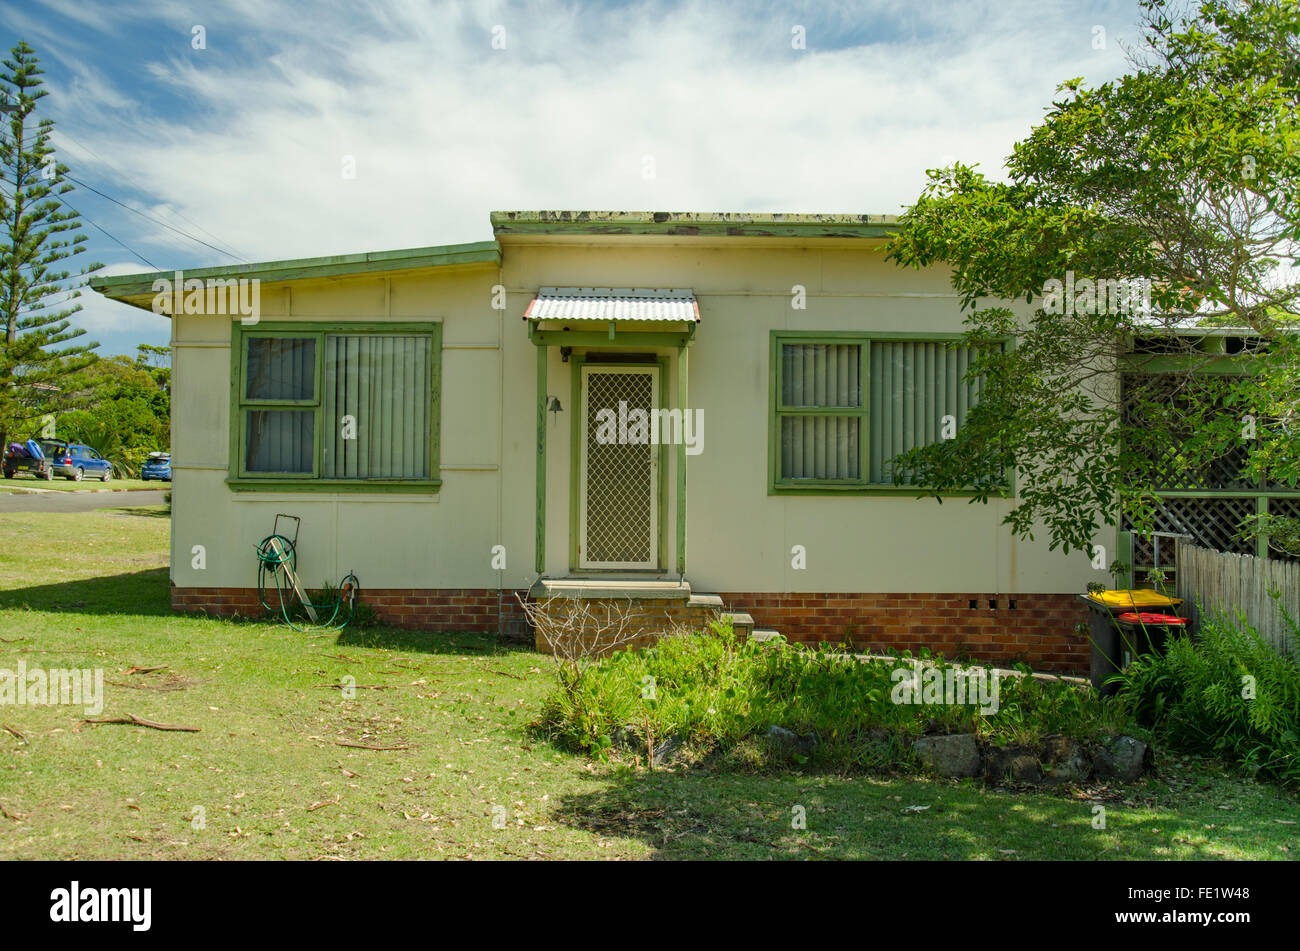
x,y
618,490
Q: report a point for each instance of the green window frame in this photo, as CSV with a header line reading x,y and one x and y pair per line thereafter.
x,y
308,476
857,406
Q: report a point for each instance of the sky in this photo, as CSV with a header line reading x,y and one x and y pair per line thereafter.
x,y
225,131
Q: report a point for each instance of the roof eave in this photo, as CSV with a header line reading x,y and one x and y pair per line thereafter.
x,y
123,286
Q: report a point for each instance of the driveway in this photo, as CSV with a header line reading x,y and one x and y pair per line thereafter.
x,y
52,500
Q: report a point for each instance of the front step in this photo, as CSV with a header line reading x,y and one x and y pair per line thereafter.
x,y
600,615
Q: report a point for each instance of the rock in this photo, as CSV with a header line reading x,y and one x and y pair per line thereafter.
x,y
628,738
789,743
1069,763
954,755
1129,756
1014,763
665,750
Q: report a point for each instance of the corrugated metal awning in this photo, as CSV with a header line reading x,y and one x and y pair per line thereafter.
x,y
614,303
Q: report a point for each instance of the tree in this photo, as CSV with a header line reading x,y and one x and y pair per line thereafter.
x,y
41,367
1138,217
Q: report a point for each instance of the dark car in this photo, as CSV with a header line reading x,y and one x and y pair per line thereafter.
x,y
157,466
76,461
18,459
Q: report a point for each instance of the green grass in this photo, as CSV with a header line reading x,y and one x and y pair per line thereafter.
x,y
23,483
272,782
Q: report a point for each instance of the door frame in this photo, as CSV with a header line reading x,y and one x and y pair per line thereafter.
x,y
576,439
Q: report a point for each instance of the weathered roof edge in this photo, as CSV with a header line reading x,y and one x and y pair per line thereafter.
x,y
731,224
119,286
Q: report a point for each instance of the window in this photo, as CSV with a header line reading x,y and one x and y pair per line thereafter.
x,y
845,404
337,407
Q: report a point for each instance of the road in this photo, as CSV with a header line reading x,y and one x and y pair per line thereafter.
x,y
75,501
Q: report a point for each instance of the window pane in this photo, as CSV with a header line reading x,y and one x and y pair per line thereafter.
x,y
376,404
280,440
914,385
281,368
818,374
820,447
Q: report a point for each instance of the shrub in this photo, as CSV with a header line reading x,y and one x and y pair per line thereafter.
x,y
720,694
1197,696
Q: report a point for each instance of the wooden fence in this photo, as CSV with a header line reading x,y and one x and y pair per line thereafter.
x,y
1209,580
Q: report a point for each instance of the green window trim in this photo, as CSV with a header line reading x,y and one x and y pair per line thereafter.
x,y
778,410
240,478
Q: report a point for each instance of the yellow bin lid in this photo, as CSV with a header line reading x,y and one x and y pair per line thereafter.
x,y
1139,598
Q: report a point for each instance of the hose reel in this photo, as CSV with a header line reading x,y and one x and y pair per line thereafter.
x,y
277,563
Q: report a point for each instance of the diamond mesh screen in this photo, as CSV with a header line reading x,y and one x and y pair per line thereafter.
x,y
1212,522
620,484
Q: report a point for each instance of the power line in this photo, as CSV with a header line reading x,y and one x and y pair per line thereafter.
x,y
89,151
152,218
122,243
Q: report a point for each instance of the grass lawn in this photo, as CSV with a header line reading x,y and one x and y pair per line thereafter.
x,y
267,777
23,483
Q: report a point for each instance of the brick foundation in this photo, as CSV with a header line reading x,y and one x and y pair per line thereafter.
x,y
1039,630
431,609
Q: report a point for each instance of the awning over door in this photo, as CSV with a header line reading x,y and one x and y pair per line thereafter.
x,y
604,304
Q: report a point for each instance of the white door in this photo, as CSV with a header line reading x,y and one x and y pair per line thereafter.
x,y
618,473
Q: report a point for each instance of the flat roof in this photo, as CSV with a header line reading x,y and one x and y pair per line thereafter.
x,y
727,223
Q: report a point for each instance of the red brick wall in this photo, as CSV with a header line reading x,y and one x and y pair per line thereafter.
x,y
1039,629
434,609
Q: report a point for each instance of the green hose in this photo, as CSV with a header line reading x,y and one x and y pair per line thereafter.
x,y
274,563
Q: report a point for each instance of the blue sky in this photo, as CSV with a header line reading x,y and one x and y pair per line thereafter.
x,y
241,141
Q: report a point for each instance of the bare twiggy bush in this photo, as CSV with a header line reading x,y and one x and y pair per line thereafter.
x,y
577,631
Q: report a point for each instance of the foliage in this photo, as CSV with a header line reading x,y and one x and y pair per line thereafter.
x,y
1183,178
1229,693
719,693
41,364
131,418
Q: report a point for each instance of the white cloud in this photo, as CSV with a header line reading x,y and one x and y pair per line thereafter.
x,y
443,128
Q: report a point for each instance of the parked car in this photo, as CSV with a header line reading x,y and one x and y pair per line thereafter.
x,y
21,457
157,466
74,461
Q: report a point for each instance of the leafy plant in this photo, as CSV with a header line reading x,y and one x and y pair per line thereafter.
x,y
1230,693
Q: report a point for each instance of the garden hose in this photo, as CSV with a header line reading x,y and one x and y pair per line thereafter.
x,y
278,559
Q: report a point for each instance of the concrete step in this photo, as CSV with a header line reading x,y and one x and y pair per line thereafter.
x,y
614,589
766,635
741,623
707,602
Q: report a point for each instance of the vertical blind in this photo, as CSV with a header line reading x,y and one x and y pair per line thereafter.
x,y
280,440
912,386
281,369
815,375
374,406
382,383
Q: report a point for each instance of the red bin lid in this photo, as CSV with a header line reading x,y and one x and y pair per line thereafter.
x,y
1147,618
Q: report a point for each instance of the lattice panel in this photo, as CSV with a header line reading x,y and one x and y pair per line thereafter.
x,y
1212,522
620,486
1288,507
1162,439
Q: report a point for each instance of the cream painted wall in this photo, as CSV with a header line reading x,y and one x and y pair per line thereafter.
x,y
739,537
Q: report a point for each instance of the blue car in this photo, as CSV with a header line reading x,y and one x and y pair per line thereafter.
x,y
157,466
76,461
